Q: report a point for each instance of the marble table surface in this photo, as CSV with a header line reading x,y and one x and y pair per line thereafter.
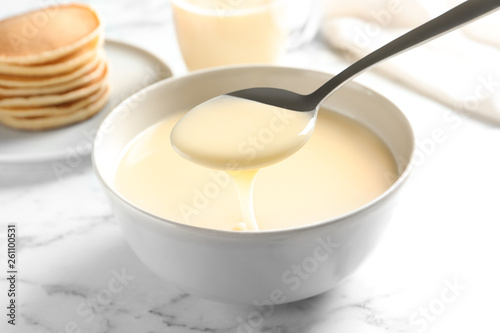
x,y
436,268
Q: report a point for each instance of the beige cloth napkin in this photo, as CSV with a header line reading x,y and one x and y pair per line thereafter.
x,y
460,70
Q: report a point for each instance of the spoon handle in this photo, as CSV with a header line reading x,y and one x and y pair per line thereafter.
x,y
450,20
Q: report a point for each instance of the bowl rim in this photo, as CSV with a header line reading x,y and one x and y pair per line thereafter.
x,y
160,221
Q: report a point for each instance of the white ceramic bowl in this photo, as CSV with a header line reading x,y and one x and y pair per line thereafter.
x,y
255,267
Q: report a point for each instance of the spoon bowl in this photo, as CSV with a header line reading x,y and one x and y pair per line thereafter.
x,y
235,134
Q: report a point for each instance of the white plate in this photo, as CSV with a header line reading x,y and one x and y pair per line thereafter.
x,y
130,69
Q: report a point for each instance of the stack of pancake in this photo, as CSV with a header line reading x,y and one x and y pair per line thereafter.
x,y
53,70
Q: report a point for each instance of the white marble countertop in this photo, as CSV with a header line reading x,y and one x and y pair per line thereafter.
x,y
436,269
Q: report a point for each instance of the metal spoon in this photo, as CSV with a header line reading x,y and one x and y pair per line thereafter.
x,y
452,19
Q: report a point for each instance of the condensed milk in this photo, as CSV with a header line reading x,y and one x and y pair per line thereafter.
x,y
343,166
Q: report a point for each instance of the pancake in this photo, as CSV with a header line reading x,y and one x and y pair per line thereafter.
x,y
44,35
66,64
54,110
8,81
53,69
50,122
96,73
55,99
